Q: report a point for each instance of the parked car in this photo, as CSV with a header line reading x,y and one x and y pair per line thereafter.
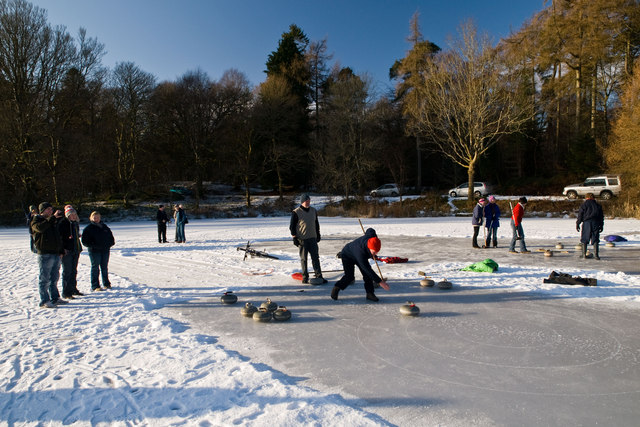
x,y
605,186
386,190
479,189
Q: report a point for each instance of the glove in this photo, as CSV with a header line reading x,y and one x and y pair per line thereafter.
x,y
318,238
601,230
577,227
296,243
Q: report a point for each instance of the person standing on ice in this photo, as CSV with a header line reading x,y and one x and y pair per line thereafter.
x,y
358,253
98,238
492,216
48,243
476,221
162,219
181,219
305,232
69,230
516,227
591,217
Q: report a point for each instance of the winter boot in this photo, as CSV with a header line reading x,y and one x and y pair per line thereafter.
x,y
372,297
596,250
334,293
583,250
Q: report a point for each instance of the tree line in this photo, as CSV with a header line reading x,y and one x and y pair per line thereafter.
x,y
554,98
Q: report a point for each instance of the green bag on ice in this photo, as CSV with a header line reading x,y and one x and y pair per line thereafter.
x,y
486,266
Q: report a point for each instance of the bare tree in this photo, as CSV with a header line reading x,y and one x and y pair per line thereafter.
x,y
34,58
468,99
131,91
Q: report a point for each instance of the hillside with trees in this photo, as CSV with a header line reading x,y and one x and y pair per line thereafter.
x,y
554,102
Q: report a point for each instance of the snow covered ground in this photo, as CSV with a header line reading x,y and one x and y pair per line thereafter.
x,y
122,357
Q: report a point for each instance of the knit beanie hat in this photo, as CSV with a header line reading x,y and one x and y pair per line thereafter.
x,y
304,198
374,244
43,206
492,199
68,211
481,201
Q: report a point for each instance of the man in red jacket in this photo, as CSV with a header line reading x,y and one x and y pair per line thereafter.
x,y
516,227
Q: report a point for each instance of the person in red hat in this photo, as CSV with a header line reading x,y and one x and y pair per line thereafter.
x,y
358,253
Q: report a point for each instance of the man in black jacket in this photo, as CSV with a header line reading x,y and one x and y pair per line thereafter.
x,y
358,253
98,238
69,229
592,219
48,243
162,219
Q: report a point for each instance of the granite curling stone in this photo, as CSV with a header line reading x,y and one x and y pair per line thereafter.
x,y
559,246
445,284
248,310
282,314
228,298
610,245
427,283
262,315
548,253
269,305
409,309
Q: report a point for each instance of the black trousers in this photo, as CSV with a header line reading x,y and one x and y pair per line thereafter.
x,y
162,232
348,264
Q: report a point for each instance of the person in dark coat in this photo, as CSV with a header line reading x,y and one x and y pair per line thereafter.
x,y
476,221
591,217
358,253
181,219
33,211
48,243
492,222
305,231
163,220
98,238
69,229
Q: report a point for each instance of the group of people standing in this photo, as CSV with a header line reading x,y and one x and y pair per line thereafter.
x,y
163,219
590,215
56,239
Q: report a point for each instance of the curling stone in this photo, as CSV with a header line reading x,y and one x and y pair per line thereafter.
x,y
269,305
548,253
445,284
427,283
228,298
281,314
262,315
559,246
409,309
610,245
316,281
578,247
248,310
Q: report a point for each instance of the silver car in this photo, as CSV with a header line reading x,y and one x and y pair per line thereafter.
x,y
386,190
605,186
479,189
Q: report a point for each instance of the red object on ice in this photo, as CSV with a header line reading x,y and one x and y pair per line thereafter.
x,y
392,259
297,276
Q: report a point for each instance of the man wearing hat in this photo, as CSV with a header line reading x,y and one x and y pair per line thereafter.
x,y
49,246
69,229
476,221
305,232
162,218
358,253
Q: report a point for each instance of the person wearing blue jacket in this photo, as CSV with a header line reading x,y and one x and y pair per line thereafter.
x,y
476,221
358,253
181,219
98,238
492,222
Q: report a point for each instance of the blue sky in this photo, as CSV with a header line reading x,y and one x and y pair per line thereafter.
x,y
168,38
